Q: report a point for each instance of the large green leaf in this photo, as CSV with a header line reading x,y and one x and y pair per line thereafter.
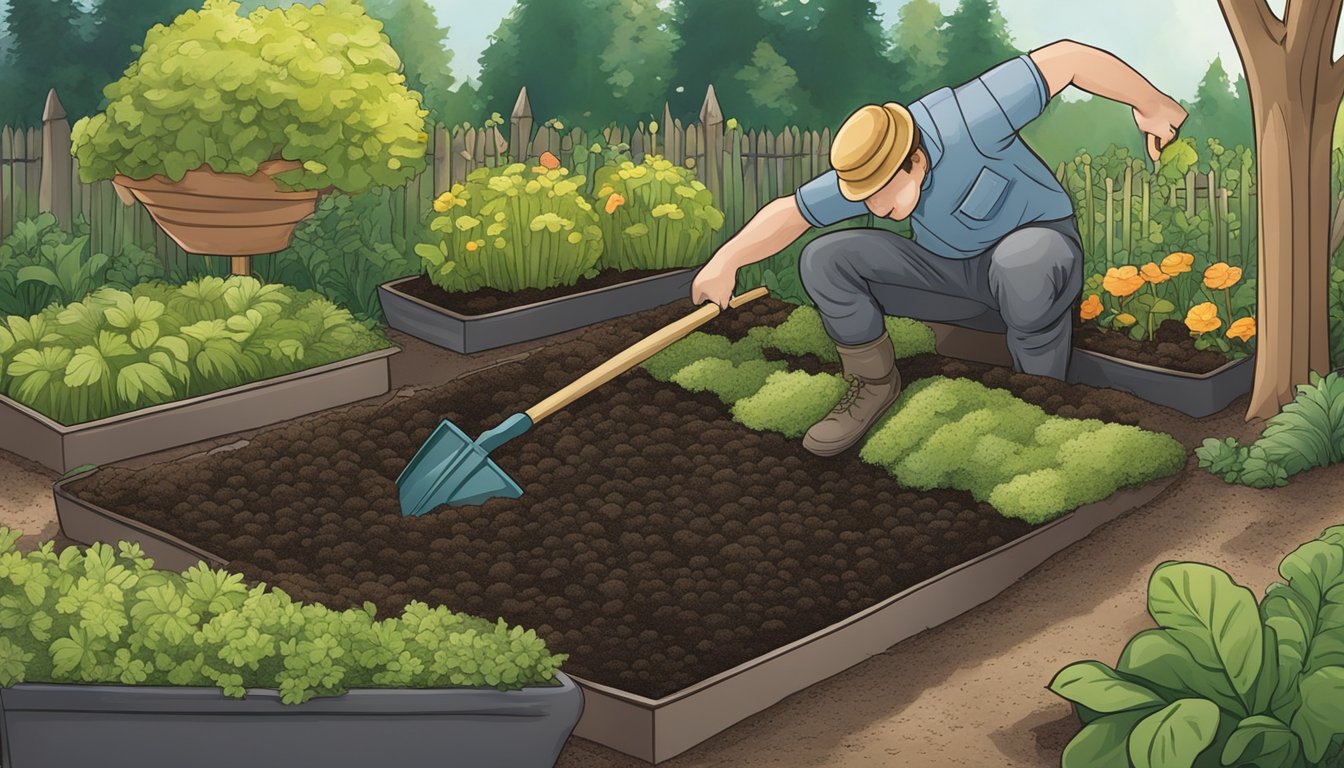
x,y
1099,688
1262,742
1157,658
1321,716
1215,619
1174,736
1103,743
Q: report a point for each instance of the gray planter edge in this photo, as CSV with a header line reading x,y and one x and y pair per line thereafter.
x,y
61,447
659,729
474,333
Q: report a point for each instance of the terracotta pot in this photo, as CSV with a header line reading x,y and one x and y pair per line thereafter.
x,y
223,214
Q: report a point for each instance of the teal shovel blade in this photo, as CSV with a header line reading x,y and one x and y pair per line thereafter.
x,y
451,468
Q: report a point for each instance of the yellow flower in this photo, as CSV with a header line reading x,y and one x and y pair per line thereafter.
x,y
471,245
1203,318
444,203
1154,274
1090,308
1178,263
1221,277
1242,329
1122,281
1125,319
549,161
613,202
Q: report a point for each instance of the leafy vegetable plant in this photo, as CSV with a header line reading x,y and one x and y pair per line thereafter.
x,y
116,351
1222,681
512,227
320,85
104,616
655,215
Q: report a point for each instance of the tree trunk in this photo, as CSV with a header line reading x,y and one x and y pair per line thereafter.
x,y
1295,88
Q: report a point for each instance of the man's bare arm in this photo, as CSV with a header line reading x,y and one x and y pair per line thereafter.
x,y
770,231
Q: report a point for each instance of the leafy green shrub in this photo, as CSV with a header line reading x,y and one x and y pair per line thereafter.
x,y
655,215
104,616
510,228
700,346
790,402
1307,433
730,381
344,251
957,433
320,85
116,351
802,333
131,266
1222,681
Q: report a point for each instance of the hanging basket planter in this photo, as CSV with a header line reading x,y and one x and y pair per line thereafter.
x,y
223,214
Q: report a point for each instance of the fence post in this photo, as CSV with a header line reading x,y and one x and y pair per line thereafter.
x,y
520,127
1126,226
1110,223
711,118
54,189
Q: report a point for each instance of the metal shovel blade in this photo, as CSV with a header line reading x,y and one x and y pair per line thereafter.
x,y
451,468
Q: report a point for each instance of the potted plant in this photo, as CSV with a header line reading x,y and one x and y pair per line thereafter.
x,y
519,252
103,655
228,126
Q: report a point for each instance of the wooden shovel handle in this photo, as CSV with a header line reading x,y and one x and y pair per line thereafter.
x,y
634,355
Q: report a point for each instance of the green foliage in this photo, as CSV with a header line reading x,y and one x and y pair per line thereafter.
x,y
977,40
104,616
717,40
116,351
1223,681
957,433
842,43
919,47
802,333
730,381
512,227
789,402
1307,433
344,251
318,85
701,346
772,86
655,215
414,31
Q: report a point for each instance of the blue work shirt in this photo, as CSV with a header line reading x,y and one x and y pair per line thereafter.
x,y
983,180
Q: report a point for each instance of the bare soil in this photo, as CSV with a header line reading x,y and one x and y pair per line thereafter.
x,y
1171,347
487,300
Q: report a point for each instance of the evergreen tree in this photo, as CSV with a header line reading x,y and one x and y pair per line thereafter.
x,y
1219,111
414,30
919,48
977,40
44,33
850,67
772,86
119,29
717,39
638,58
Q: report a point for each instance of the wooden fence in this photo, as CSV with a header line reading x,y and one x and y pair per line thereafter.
x,y
744,169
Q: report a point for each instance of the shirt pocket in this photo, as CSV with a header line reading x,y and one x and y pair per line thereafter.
x,y
984,198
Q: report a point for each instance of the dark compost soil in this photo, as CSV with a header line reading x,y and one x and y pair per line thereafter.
x,y
486,300
658,542
1171,347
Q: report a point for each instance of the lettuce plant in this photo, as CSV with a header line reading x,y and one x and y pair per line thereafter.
x,y
655,215
116,351
510,228
104,616
1222,681
320,85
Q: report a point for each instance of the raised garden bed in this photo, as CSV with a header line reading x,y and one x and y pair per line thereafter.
x,y
664,546
57,726
487,318
28,433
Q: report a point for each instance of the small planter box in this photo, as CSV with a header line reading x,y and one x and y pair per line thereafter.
x,y
30,434
1194,394
474,333
58,726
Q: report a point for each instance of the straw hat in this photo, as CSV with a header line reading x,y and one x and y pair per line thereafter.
x,y
870,147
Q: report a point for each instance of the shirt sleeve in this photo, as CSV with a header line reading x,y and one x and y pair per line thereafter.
x,y
821,203
1003,100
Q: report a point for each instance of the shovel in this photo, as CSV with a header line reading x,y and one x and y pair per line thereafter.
x,y
451,468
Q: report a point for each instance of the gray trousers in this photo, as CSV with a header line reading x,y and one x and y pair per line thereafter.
x,y
1023,287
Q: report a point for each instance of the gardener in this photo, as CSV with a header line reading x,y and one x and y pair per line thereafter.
x,y
995,244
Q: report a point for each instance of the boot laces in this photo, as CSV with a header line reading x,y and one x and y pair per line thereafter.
x,y
851,396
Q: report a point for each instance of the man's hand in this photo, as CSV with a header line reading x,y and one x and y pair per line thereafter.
x,y
714,283
1160,121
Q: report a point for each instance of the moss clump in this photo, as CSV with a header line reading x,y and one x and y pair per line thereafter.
x,y
730,381
790,402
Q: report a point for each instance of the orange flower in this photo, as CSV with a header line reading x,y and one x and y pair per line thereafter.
x,y
548,161
1203,318
1178,263
1242,329
1122,281
1154,274
1221,277
471,245
614,202
1090,308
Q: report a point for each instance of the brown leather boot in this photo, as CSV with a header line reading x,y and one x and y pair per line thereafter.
x,y
874,384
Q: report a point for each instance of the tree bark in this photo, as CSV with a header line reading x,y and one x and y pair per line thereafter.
x,y
1295,88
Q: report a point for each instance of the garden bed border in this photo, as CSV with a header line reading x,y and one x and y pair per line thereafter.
x,y
30,434
475,333
659,729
